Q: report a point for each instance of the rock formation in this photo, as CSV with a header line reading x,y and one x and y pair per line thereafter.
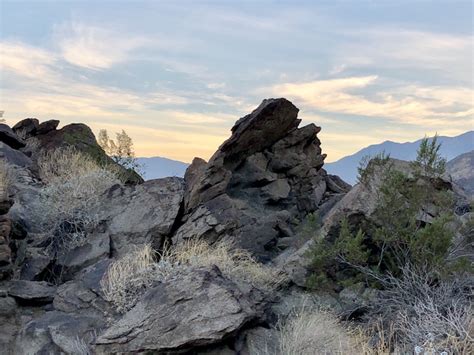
x,y
255,191
259,184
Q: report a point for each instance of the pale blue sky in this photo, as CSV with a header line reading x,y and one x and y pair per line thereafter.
x,y
177,74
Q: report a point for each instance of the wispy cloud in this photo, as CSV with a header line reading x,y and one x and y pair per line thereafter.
x,y
95,47
411,104
25,60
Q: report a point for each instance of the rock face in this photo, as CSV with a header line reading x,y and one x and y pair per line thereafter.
x,y
135,215
26,128
261,181
34,292
461,170
198,309
9,137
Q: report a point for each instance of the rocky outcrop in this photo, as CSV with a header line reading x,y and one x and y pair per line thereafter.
x,y
264,179
197,309
461,170
9,137
358,207
26,128
146,213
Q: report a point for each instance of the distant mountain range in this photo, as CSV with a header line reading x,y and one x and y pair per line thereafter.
x,y
158,167
346,168
451,147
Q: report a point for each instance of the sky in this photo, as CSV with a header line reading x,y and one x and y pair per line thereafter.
x,y
176,75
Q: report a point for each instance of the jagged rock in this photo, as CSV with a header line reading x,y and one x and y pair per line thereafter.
x,y
95,248
13,156
337,185
196,309
261,181
144,213
35,263
9,137
47,126
81,295
27,128
57,333
32,292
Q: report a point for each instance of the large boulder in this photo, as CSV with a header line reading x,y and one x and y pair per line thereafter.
x,y
26,128
134,215
9,137
76,135
196,309
260,183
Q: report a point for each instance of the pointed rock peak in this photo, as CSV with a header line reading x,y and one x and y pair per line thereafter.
x,y
268,123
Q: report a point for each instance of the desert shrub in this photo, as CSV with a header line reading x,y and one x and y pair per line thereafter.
x,y
130,276
426,311
325,253
401,232
74,183
237,264
428,161
121,150
308,332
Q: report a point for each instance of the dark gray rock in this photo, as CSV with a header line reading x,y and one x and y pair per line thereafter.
x,y
26,128
57,333
198,308
35,263
144,213
9,137
8,306
260,183
47,126
95,248
32,292
13,156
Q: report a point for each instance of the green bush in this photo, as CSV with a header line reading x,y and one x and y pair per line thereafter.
x,y
402,230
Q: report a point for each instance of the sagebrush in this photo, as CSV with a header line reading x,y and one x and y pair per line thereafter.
x,y
73,184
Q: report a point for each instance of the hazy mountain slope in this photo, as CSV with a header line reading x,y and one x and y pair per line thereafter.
x,y
158,167
451,147
461,169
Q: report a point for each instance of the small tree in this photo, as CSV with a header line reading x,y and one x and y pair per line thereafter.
x,y
428,161
121,150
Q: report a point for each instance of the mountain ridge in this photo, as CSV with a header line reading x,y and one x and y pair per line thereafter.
x,y
451,147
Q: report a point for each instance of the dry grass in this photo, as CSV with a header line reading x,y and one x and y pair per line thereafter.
x,y
128,277
74,183
235,263
314,332
4,179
